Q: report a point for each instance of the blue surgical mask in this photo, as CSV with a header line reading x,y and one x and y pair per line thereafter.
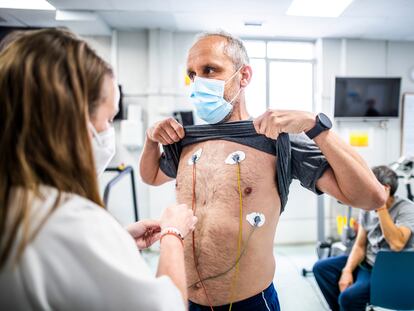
x,y
207,95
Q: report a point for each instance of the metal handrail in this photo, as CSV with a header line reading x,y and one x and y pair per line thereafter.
x,y
122,172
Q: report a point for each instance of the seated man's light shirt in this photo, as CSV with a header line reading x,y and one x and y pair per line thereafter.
x,y
82,259
402,214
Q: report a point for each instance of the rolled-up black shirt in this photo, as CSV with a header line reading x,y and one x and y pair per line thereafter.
x,y
297,156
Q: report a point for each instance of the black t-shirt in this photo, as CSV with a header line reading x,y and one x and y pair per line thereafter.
x,y
297,156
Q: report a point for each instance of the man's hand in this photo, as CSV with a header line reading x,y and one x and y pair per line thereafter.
x,y
346,280
274,122
166,132
145,232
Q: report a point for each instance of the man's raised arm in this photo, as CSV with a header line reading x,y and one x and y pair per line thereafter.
x,y
349,178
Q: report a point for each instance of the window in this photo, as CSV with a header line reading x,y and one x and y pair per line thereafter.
x,y
290,85
256,91
256,48
283,75
290,50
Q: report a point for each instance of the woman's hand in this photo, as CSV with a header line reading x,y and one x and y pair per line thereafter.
x,y
145,232
180,217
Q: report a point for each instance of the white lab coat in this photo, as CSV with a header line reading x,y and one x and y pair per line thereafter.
x,y
82,259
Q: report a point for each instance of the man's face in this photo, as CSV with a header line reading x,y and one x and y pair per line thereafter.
x,y
207,59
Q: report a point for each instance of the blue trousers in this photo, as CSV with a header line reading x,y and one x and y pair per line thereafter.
x,y
266,300
355,298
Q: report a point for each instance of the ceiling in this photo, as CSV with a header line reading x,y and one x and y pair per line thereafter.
x,y
368,19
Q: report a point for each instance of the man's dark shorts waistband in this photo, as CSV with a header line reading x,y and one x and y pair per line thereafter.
x,y
265,300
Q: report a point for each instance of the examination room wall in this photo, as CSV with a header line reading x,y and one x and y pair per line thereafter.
x,y
364,58
150,66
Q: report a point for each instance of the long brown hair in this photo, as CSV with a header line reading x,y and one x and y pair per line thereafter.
x,y
50,82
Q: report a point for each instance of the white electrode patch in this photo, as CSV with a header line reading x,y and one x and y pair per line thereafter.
x,y
256,219
195,157
235,157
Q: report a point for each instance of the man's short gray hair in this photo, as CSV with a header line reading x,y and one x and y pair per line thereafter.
x,y
386,177
234,48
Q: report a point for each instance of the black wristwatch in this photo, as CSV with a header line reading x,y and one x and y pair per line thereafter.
x,y
323,123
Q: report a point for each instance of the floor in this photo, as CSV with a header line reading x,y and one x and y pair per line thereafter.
x,y
296,293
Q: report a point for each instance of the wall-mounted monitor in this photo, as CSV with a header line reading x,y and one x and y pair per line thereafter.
x,y
367,97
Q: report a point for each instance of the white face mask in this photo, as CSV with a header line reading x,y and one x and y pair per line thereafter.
x,y
207,95
103,146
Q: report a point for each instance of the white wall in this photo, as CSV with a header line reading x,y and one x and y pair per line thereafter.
x,y
150,65
101,44
132,62
297,224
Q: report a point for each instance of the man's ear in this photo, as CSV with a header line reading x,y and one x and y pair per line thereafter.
x,y
246,73
387,190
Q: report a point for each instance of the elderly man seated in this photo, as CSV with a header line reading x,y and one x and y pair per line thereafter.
x,y
345,280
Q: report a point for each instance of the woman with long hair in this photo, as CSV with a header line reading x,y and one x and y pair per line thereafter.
x,y
59,249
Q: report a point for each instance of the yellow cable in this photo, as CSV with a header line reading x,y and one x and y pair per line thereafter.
x,y
239,244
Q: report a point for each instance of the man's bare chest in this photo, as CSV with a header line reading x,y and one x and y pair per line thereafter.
x,y
216,175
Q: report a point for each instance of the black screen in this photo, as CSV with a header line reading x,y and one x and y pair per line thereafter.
x,y
367,97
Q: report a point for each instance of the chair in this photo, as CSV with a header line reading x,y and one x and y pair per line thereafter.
x,y
392,280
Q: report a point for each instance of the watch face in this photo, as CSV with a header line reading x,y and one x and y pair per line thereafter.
x,y
325,121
